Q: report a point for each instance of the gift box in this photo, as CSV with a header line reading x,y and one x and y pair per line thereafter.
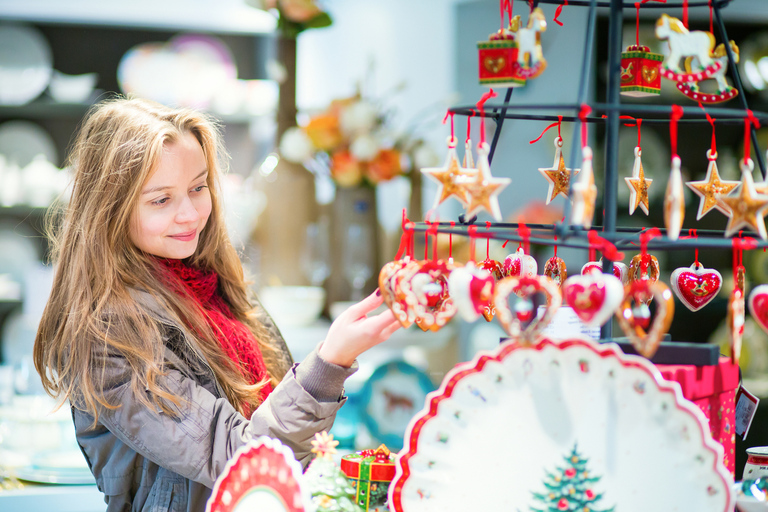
x,y
640,72
713,389
370,472
497,59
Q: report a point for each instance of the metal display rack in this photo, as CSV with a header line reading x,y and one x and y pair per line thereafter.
x,y
562,233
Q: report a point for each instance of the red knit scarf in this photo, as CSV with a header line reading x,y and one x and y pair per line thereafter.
x,y
237,341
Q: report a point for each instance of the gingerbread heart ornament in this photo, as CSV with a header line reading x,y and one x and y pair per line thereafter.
x,y
520,264
593,297
525,288
389,284
634,314
758,305
424,288
696,286
472,291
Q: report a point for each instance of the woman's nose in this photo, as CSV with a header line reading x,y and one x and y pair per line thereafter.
x,y
187,211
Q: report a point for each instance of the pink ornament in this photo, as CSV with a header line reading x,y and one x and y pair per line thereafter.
x,y
520,264
758,305
696,286
472,291
594,296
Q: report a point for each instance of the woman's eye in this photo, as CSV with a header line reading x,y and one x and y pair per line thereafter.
x,y
200,188
160,201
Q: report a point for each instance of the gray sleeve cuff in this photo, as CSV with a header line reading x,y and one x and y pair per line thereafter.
x,y
321,379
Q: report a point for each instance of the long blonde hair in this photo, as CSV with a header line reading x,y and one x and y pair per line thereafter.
x,y
91,312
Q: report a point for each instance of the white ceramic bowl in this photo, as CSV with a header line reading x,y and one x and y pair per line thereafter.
x,y
293,305
72,88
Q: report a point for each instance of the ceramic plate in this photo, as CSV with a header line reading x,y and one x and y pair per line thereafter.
x,y
262,475
21,141
25,64
56,475
559,427
390,398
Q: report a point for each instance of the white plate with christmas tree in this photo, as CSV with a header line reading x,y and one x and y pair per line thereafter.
x,y
567,426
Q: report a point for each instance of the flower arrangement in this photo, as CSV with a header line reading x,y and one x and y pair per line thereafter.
x,y
353,141
295,16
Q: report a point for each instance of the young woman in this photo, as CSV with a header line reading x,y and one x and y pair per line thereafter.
x,y
149,332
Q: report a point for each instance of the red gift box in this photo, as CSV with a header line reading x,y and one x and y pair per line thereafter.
x,y
640,72
497,58
713,389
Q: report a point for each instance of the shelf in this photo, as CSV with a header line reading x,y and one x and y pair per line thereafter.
x,y
223,16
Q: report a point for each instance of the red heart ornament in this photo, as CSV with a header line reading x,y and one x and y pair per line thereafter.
x,y
758,305
619,269
424,288
389,284
525,288
696,286
520,264
594,297
639,293
472,291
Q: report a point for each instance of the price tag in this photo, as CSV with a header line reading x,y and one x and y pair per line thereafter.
x,y
746,406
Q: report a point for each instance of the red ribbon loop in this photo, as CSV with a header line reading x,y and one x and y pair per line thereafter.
x,y
469,124
472,231
583,113
525,233
558,124
677,113
488,95
558,11
596,242
749,121
453,132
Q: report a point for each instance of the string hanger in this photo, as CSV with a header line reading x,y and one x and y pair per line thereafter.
x,y
598,243
637,18
557,123
749,121
469,125
488,95
450,242
472,232
645,236
452,141
505,7
739,244
559,11
406,239
525,235
488,240
692,234
583,113
713,145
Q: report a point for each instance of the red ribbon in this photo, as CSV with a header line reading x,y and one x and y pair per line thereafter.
x,y
749,121
583,113
490,94
645,236
433,231
469,124
739,244
472,230
677,113
450,241
488,241
558,11
525,233
596,242
685,13
712,122
505,6
453,133
558,124
692,234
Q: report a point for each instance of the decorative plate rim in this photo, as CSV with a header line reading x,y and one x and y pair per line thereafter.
x,y
603,350
276,446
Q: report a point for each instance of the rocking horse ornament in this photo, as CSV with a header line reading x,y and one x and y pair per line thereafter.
x,y
530,58
701,60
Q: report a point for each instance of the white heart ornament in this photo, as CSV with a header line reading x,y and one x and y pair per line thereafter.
x,y
519,264
472,291
620,270
594,297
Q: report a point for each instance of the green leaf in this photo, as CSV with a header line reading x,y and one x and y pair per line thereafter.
x,y
319,21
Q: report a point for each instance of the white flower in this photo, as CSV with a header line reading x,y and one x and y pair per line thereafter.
x,y
360,117
295,146
364,148
424,156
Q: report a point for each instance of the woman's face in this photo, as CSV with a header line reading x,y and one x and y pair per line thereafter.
x,y
175,202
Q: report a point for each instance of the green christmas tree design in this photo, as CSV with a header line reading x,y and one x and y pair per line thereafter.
x,y
570,488
330,489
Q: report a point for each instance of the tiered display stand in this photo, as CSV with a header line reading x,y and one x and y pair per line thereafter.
x,y
563,233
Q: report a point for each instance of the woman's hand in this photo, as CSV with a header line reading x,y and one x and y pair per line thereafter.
x,y
353,332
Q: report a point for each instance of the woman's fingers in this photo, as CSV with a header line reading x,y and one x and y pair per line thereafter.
x,y
365,306
390,329
382,320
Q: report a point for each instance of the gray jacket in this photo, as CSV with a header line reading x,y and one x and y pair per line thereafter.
x,y
148,461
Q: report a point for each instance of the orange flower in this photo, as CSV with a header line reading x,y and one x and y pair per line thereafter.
x,y
299,11
385,166
345,169
323,130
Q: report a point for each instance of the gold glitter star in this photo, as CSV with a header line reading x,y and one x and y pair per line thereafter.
x,y
638,185
483,189
324,445
558,176
747,208
584,192
711,186
446,178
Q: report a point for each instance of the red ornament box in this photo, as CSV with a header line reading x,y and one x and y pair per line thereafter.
x,y
640,72
497,60
713,389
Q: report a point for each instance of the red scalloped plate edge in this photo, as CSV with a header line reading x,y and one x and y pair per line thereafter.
x,y
603,350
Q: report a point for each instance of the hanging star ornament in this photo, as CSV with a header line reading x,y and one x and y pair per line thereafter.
x,y
747,208
711,187
638,185
482,189
584,192
558,176
674,201
446,177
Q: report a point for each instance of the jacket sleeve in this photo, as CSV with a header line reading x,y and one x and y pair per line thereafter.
x,y
208,430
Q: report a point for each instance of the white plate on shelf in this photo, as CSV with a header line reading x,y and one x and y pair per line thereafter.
x,y
21,141
555,417
55,475
26,64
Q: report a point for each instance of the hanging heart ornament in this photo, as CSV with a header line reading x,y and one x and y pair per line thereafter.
x,y
758,305
389,278
696,286
424,288
620,270
472,291
520,264
593,297
634,314
525,288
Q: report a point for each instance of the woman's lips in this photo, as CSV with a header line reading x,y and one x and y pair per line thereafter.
x,y
185,237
